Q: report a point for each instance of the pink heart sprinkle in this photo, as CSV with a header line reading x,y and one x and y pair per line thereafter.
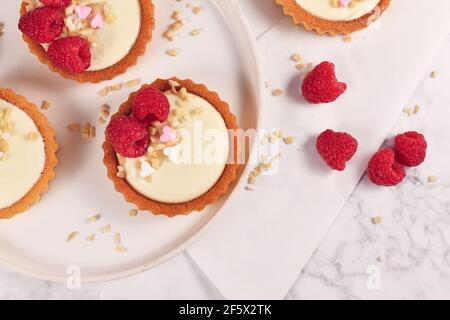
x,y
83,11
168,135
344,3
97,22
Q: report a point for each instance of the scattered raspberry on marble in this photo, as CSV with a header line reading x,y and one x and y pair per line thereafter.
x,y
128,136
72,54
336,148
56,3
321,85
410,148
384,170
43,24
151,105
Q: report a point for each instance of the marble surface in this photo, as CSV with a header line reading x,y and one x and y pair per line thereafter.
x,y
406,256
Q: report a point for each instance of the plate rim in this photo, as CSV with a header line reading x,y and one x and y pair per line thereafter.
x,y
259,88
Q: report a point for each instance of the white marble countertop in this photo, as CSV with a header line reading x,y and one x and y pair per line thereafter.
x,y
406,256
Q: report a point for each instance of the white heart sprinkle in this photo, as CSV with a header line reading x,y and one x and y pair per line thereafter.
x,y
172,153
146,170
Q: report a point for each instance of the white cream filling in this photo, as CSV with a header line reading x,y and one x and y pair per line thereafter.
x,y
115,40
182,181
325,10
20,167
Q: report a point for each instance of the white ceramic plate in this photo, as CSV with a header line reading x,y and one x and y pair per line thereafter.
x,y
223,57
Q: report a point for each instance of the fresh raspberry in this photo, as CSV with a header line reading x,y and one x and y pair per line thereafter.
x,y
151,105
383,170
321,85
56,3
336,148
128,136
43,24
410,148
71,54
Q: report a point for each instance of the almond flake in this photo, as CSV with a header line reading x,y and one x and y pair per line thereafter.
x,y
173,52
74,127
296,57
72,236
132,213
45,105
93,218
106,229
121,249
376,220
118,239
277,92
288,140
432,179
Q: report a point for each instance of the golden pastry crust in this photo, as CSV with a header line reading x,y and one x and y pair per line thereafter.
x,y
220,188
323,26
138,49
48,173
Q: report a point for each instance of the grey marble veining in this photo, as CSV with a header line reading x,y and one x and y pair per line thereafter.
x,y
411,246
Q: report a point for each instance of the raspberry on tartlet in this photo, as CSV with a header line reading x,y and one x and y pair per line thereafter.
x,y
43,24
159,181
86,19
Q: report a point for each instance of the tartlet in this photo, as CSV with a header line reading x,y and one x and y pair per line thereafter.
x,y
27,154
334,17
124,36
175,188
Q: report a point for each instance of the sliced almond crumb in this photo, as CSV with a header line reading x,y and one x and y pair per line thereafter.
x,y
432,179
196,32
74,127
91,237
299,66
408,111
376,220
197,9
45,105
277,92
88,131
197,111
296,57
132,213
121,249
416,109
72,236
249,188
288,140
173,52
118,239
347,39
106,229
32,136
94,218
434,74
101,120
176,15
133,83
